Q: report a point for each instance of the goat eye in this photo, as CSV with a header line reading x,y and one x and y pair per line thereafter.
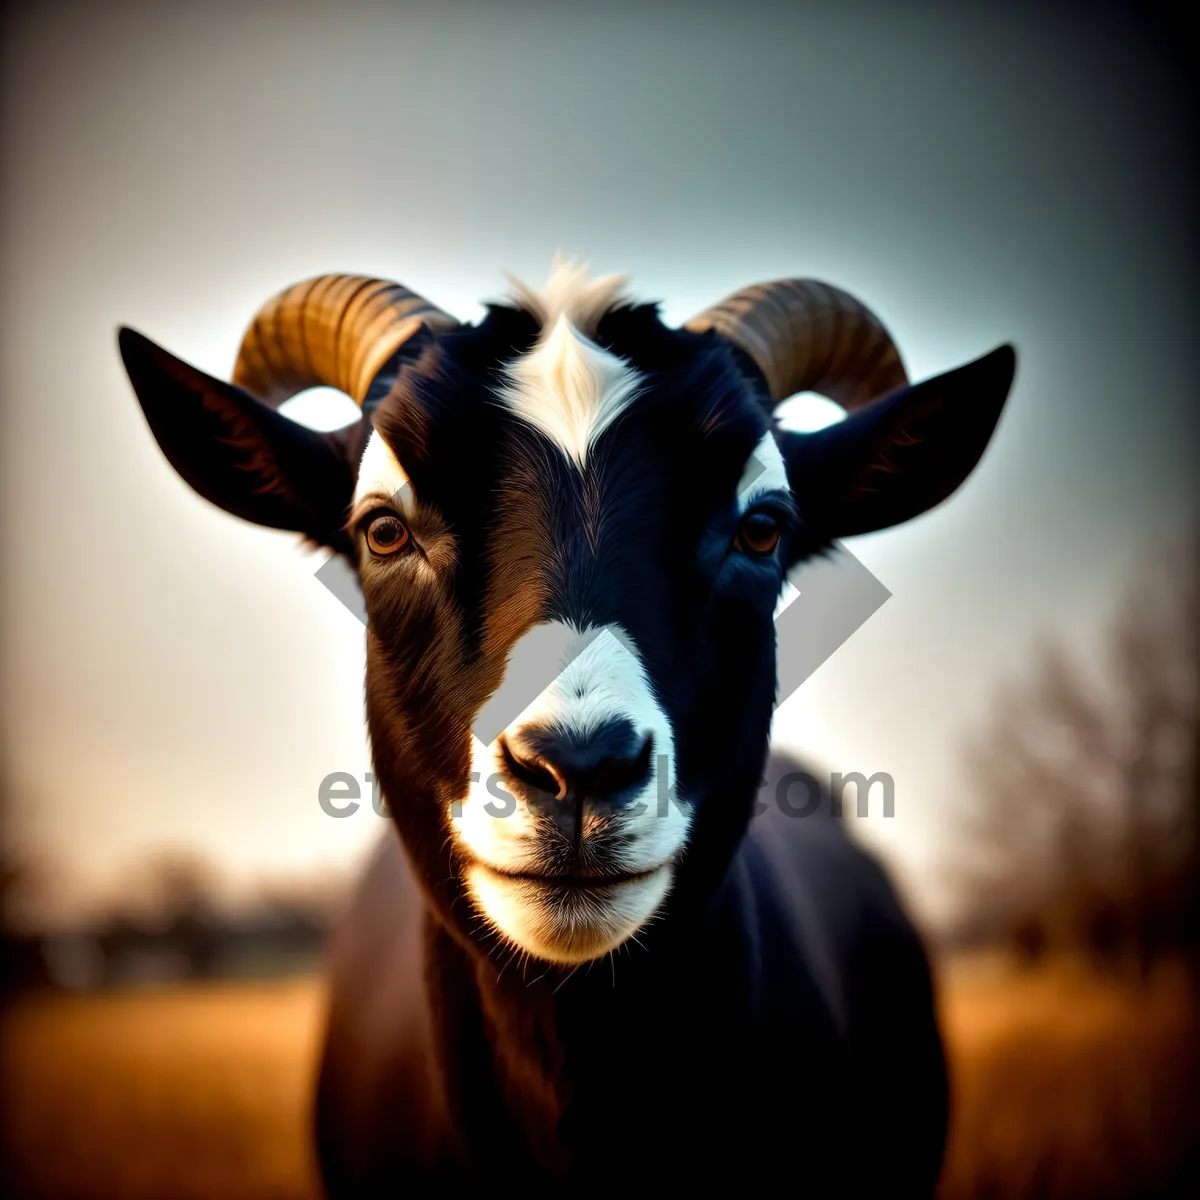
x,y
386,534
758,533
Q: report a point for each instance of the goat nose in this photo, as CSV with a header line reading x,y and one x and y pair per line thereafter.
x,y
608,765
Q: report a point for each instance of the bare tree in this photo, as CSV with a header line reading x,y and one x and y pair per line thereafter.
x,y
1085,827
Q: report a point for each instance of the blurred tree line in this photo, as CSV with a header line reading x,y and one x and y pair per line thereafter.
x,y
1083,833
167,923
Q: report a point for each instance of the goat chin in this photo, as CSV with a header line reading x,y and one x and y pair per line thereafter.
x,y
564,924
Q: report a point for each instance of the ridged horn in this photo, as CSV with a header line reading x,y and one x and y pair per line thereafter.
x,y
331,331
807,336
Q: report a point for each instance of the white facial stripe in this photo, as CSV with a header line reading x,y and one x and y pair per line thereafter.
x,y
567,386
570,389
380,472
765,472
602,680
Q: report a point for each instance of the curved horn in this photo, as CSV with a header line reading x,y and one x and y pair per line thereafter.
x,y
333,331
806,336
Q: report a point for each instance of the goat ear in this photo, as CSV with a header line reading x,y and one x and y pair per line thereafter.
x,y
236,451
898,457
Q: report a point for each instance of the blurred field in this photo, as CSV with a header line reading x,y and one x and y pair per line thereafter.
x,y
1064,1087
196,1092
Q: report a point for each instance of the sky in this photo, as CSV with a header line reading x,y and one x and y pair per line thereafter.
x,y
175,678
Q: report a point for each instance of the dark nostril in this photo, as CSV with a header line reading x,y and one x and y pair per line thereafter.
x,y
534,773
616,775
605,764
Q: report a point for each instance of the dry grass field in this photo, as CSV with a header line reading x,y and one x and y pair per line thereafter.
x,y
180,1094
1064,1087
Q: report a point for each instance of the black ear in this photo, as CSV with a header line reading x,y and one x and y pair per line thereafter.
x,y
236,451
899,457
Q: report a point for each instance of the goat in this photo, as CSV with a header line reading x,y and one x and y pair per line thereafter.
x,y
571,474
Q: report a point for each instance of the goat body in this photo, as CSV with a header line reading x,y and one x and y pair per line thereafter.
x,y
788,1033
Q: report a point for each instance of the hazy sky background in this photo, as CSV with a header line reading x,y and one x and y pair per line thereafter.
x,y
174,677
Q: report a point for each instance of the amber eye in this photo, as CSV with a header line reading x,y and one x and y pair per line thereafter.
x,y
758,533
386,534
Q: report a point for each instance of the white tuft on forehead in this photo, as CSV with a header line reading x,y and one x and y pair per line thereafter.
x,y
571,294
567,386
